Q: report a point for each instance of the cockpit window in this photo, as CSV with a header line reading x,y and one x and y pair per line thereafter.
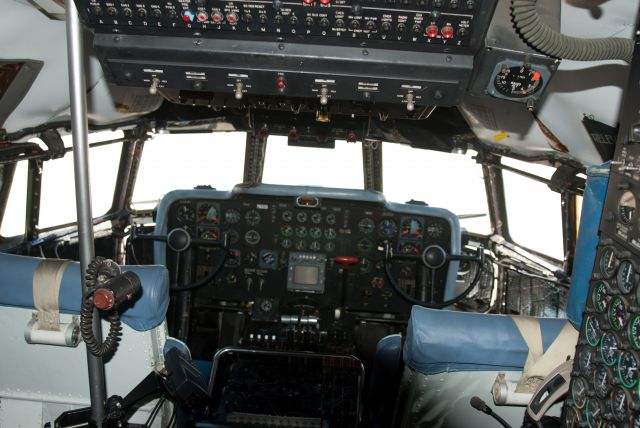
x,y
178,161
534,213
13,222
340,167
58,200
445,180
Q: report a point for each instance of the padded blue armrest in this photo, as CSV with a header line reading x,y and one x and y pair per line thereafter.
x,y
446,341
16,289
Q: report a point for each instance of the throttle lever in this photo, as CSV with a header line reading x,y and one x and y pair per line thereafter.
x,y
345,263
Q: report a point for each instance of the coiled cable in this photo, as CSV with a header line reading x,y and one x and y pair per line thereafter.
x,y
86,329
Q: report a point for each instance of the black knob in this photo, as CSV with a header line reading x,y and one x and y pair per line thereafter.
x,y
127,12
434,256
112,11
453,4
339,23
278,19
401,27
370,25
293,21
172,13
324,23
386,26
308,21
417,29
156,13
178,240
263,19
97,10
471,4
142,13
248,18
354,25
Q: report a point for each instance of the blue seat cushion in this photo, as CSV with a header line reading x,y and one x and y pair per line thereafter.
x,y
16,289
446,341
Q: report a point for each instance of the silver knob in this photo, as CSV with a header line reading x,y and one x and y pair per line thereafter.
x,y
238,90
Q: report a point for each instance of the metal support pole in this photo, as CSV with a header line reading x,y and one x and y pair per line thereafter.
x,y
80,133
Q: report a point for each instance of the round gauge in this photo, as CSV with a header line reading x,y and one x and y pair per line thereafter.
x,y
573,419
287,215
410,248
266,305
600,298
316,218
634,421
365,245
579,392
586,359
232,216
626,207
208,213
518,81
601,380
330,233
234,237
617,313
315,246
620,404
634,331
301,232
365,265
331,219
592,330
628,369
627,277
435,230
595,413
609,349
387,227
209,234
301,217
608,262
286,230
252,217
411,228
329,247
286,243
252,237
315,232
185,213
366,225
301,245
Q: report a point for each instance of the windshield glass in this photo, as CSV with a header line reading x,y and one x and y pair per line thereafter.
x,y
184,161
340,167
443,180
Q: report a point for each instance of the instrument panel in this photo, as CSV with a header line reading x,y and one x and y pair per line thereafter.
x,y
309,267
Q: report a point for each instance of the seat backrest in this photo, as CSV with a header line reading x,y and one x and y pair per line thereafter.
x,y
39,382
452,356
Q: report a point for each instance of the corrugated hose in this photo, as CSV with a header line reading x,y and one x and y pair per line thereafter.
x,y
550,42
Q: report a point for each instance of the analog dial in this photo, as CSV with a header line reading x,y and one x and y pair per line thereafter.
x,y
518,81
316,218
602,380
252,217
608,262
208,213
411,228
586,360
387,227
595,413
617,313
287,215
634,331
627,277
232,216
620,404
609,348
252,237
628,369
366,225
592,330
185,213
600,298
626,207
579,391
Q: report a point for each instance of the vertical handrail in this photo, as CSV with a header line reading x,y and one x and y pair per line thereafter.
x,y
80,133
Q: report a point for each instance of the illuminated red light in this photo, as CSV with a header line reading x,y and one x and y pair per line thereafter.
x,y
432,31
308,1
281,84
325,2
447,32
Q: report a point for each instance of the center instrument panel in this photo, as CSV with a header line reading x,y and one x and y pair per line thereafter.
x,y
304,264
412,52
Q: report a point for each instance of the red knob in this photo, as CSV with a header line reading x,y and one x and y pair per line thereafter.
x,y
447,32
432,31
103,299
346,261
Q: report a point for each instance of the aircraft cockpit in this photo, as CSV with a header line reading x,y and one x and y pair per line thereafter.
x,y
320,213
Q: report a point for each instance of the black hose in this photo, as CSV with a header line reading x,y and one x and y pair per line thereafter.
x,y
206,279
86,329
551,42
